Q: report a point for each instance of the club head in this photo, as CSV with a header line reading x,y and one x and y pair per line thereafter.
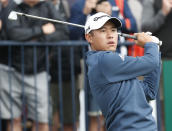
x,y
12,15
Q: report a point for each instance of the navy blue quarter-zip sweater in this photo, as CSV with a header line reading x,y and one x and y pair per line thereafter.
x,y
123,98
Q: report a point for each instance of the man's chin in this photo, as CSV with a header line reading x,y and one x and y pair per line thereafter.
x,y
112,49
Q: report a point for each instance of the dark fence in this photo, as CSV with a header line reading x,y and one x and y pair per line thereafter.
x,y
17,52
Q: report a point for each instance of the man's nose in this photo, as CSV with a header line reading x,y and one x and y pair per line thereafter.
x,y
110,35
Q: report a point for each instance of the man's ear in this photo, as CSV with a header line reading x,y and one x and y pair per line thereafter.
x,y
88,37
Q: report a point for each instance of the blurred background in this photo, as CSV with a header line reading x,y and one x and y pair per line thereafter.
x,y
43,81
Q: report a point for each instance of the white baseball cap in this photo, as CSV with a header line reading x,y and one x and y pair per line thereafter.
x,y
97,20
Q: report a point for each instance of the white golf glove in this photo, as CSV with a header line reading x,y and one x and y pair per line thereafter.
x,y
155,39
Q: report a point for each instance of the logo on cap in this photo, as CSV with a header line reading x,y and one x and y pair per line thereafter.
x,y
97,18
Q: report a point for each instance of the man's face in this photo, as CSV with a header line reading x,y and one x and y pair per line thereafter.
x,y
103,39
101,7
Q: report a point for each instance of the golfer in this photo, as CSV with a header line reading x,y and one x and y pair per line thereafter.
x,y
122,98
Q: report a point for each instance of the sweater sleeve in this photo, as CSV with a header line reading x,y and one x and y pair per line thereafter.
x,y
150,83
117,68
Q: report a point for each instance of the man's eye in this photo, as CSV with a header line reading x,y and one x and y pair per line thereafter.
x,y
102,30
114,30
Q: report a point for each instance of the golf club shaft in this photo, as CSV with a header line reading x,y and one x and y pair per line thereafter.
x,y
51,20
68,23
128,36
72,24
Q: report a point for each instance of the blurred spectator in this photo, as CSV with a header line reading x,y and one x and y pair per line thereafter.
x,y
121,10
63,9
1,30
79,12
100,7
157,18
81,9
62,6
28,29
136,9
5,6
71,2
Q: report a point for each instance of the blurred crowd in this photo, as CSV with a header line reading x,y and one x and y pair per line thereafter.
x,y
136,15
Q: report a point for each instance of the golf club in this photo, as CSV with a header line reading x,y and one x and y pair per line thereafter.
x,y
13,16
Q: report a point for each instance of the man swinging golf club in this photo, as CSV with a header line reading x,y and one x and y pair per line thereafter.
x,y
122,98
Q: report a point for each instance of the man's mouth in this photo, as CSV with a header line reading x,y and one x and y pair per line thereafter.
x,y
111,43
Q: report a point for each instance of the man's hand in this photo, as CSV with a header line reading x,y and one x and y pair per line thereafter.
x,y
48,28
104,7
89,5
142,39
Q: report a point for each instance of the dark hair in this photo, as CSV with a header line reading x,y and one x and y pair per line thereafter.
x,y
98,2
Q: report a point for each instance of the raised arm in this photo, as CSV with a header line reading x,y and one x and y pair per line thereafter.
x,y
150,83
117,68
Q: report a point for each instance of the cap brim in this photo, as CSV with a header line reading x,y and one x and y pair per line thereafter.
x,y
116,22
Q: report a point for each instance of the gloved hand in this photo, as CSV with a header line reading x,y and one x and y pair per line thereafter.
x,y
155,39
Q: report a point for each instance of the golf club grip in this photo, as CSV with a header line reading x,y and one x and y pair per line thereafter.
x,y
135,38
129,36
